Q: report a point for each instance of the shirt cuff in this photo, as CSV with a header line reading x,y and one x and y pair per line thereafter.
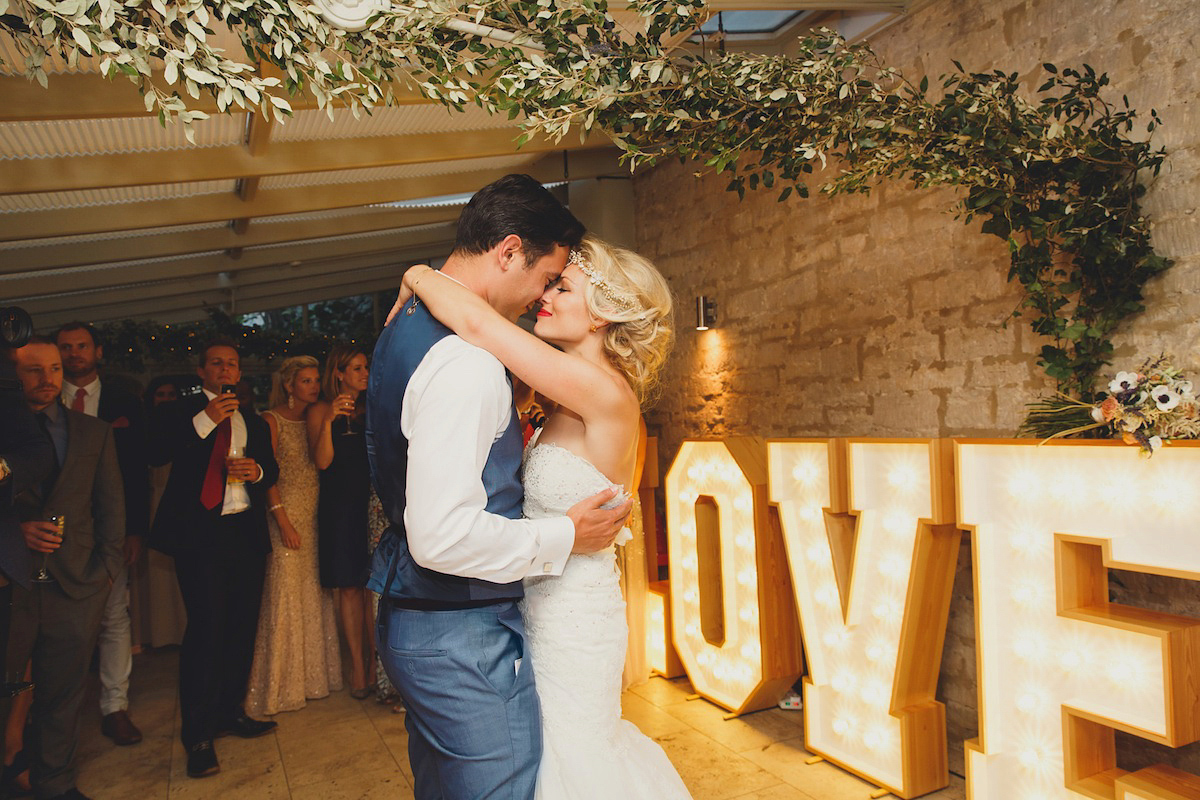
x,y
203,424
557,538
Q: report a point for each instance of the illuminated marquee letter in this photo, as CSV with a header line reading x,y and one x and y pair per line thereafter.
x,y
734,621
872,545
1060,667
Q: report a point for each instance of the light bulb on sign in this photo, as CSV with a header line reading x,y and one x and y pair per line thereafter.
x,y
809,514
805,473
903,478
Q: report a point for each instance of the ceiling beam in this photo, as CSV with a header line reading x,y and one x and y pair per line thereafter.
x,y
21,225
87,95
251,282
256,160
193,306
176,243
29,288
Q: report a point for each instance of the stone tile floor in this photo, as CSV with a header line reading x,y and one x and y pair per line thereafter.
x,y
339,748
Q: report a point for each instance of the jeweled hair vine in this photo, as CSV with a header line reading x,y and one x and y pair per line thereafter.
x,y
627,292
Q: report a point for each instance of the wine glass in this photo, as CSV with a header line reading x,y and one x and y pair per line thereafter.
x,y
60,522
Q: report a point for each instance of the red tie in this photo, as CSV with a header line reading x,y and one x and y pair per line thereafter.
x,y
77,403
213,490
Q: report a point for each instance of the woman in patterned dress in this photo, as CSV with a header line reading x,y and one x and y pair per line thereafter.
x,y
296,652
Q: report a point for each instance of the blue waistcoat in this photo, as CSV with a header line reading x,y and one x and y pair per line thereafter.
x,y
400,349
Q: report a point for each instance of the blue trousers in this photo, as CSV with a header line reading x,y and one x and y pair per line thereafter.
x,y
473,720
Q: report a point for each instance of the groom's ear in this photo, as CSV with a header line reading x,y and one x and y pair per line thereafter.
x,y
509,252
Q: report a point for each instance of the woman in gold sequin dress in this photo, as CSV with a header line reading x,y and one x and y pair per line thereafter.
x,y
296,653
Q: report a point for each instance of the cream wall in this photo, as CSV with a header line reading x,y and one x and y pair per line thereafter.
x,y
883,315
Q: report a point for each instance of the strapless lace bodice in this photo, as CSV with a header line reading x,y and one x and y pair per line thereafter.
x,y
556,479
575,624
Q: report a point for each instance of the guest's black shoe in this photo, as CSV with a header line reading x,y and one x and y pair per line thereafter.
x,y
246,727
202,760
71,794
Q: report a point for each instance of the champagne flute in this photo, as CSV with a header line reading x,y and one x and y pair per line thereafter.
x,y
349,420
60,522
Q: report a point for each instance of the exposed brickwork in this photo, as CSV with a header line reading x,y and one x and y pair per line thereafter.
x,y
883,315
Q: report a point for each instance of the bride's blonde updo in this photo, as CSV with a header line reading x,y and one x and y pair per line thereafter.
x,y
626,291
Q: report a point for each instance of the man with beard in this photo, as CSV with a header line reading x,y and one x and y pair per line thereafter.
x,y
54,622
83,391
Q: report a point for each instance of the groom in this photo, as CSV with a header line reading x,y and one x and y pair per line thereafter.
x,y
445,451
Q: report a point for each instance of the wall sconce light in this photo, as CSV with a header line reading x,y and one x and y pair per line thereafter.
x,y
706,313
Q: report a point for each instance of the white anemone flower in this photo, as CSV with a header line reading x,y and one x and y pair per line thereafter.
x,y
1097,414
1184,388
1165,397
1123,382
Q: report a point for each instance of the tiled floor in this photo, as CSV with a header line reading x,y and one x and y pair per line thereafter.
x,y
339,748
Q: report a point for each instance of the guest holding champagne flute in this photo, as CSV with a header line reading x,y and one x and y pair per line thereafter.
x,y
339,449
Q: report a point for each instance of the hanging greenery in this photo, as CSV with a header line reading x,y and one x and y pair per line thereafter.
x,y
1056,177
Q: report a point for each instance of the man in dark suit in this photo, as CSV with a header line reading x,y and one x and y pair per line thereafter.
x,y
216,529
56,621
84,391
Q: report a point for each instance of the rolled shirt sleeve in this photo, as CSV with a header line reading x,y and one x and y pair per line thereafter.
x,y
457,403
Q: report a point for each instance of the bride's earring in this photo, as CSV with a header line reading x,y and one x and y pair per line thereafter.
x,y
291,401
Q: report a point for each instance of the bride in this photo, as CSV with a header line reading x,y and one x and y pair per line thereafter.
x,y
602,335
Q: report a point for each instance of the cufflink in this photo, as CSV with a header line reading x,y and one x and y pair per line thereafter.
x,y
547,567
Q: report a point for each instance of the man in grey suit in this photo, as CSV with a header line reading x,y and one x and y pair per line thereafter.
x,y
56,620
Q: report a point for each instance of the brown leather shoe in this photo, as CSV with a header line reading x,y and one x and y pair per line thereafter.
x,y
120,728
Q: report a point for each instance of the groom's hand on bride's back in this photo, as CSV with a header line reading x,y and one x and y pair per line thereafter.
x,y
596,527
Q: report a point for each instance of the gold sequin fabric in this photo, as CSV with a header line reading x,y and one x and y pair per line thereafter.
x,y
296,654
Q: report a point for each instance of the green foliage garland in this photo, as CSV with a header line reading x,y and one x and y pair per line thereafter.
x,y
1058,178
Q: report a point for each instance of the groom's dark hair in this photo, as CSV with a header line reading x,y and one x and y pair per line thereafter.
x,y
516,204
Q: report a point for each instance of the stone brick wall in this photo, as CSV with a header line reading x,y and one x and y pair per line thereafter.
x,y
883,315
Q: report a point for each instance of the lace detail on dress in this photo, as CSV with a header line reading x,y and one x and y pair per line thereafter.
x,y
575,624
296,650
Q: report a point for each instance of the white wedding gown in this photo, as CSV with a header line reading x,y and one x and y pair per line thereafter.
x,y
577,637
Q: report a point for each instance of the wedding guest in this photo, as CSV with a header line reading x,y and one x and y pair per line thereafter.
x,y
56,620
336,438
216,529
84,391
296,652
163,615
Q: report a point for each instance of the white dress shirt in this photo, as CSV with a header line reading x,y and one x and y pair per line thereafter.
x,y
91,400
457,404
237,499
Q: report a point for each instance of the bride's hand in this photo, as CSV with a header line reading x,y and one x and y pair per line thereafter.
x,y
405,294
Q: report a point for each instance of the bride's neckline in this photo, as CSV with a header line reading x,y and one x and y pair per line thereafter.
x,y
537,442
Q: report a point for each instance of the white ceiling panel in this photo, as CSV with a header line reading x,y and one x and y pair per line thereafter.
x,y
49,201
310,125
90,137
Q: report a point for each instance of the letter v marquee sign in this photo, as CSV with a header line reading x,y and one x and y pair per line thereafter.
x,y
872,545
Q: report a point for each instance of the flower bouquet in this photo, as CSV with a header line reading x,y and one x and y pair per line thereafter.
x,y
1147,407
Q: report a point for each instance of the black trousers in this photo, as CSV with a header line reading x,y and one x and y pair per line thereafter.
x,y
221,584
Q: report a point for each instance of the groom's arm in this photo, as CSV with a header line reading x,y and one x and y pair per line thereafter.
x,y
457,403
